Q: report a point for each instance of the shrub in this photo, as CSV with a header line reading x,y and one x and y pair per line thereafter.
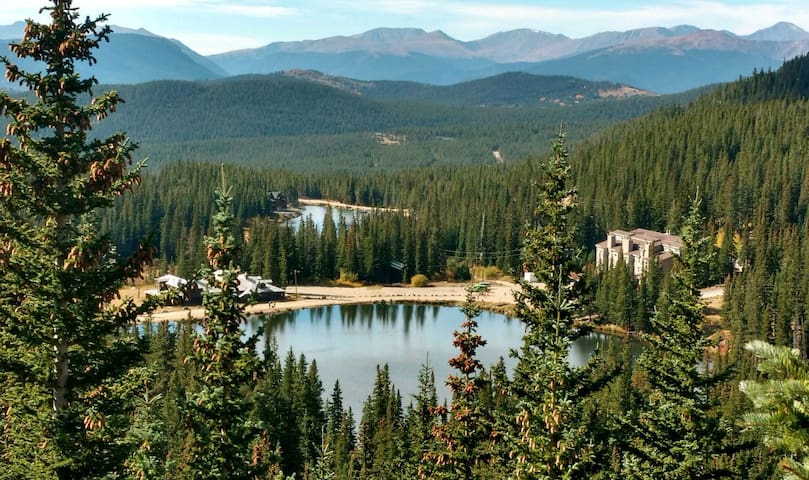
x,y
419,280
492,272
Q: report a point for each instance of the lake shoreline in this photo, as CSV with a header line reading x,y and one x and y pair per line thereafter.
x,y
499,299
348,206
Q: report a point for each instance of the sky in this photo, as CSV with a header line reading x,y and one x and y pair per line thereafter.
x,y
213,26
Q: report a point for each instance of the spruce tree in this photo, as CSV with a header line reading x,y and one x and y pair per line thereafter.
x,y
63,346
675,434
550,439
419,419
223,443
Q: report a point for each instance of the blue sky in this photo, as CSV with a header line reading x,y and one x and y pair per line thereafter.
x,y
210,26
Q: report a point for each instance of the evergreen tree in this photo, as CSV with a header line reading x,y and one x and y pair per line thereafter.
x,y
782,405
675,434
380,433
148,432
344,446
465,440
420,419
550,439
63,348
648,295
222,441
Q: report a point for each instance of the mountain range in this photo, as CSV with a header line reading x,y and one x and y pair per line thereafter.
x,y
657,59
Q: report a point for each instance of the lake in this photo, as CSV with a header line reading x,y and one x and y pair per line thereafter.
x,y
349,341
318,214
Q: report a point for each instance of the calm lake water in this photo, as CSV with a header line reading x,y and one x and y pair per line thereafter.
x,y
318,214
349,341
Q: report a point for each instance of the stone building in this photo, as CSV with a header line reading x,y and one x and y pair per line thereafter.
x,y
638,248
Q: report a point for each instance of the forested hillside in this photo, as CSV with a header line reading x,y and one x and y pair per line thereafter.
x,y
744,150
510,89
279,121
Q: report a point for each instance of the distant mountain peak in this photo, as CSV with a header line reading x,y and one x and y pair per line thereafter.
x,y
386,34
399,38
13,31
683,29
780,32
132,31
524,32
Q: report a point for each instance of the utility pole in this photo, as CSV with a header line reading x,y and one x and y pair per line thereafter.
x,y
295,273
480,246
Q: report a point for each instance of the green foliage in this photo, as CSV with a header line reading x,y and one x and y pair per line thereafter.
x,y
221,437
550,439
420,421
781,405
65,351
676,435
306,126
67,357
381,451
617,296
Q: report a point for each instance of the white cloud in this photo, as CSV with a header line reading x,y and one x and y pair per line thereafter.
x,y
397,7
261,8
262,11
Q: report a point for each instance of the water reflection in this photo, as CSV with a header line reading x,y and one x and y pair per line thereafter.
x,y
349,341
318,215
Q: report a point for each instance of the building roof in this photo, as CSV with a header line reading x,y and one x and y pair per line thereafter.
x,y
651,235
642,234
172,280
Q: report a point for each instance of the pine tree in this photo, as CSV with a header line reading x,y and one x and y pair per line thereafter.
x,y
781,405
550,438
675,436
63,346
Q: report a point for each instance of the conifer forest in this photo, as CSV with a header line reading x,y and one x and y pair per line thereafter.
x,y
91,388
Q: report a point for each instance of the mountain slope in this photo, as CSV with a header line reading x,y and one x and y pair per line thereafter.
x,y
363,65
134,56
305,103
780,32
512,88
671,65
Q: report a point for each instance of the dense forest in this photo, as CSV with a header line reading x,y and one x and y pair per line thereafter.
x,y
299,124
90,393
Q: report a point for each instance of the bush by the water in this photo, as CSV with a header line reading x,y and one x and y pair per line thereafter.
x,y
419,280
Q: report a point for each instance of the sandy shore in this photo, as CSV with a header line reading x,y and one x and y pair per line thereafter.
x,y
499,297
361,208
